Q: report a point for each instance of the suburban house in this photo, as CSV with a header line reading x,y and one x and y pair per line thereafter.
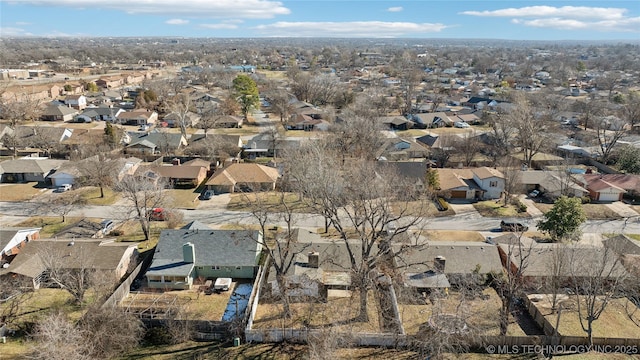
x,y
111,257
184,255
178,176
475,183
609,187
39,136
243,177
402,149
569,262
415,171
306,123
71,172
320,268
78,102
106,113
434,119
155,143
419,266
173,119
266,144
108,82
551,183
28,169
229,121
137,117
58,113
13,239
396,122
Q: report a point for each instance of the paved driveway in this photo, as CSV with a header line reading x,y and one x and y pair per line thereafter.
x,y
622,209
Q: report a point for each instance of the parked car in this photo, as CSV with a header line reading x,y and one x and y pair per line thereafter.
x,y
143,128
534,193
107,225
63,188
461,124
157,214
207,195
513,225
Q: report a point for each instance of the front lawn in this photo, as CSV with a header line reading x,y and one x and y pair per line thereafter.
x,y
593,211
92,196
50,225
491,208
453,235
271,200
183,198
20,192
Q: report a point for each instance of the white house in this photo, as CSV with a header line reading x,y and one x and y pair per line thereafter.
x,y
78,102
491,181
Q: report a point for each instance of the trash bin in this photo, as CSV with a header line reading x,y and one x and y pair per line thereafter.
x,y
236,341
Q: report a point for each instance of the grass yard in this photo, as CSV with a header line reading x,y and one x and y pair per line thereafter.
x,y
593,211
196,304
423,208
50,225
613,323
131,232
92,196
183,198
490,208
336,312
481,316
20,192
453,235
272,200
412,133
302,133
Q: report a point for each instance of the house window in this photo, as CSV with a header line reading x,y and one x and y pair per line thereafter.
x,y
200,267
238,267
493,184
215,268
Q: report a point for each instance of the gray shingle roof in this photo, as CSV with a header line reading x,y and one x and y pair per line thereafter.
x,y
212,247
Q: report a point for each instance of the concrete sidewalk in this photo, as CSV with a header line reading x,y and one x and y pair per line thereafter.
x,y
532,210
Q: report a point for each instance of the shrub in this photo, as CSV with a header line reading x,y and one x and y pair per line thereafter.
x,y
116,233
585,200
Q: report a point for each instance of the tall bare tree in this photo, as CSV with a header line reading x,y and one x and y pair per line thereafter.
x,y
609,130
531,136
99,170
143,194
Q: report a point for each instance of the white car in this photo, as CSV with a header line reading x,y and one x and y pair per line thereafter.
x,y
534,193
461,124
63,188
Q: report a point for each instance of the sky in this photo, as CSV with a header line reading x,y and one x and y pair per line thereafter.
x,y
489,19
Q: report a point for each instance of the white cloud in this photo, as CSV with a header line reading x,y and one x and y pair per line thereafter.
x,y
567,18
221,26
12,31
252,9
624,25
177,22
395,9
348,29
583,12
22,23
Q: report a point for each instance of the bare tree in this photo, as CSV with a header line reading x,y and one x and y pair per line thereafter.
x,y
469,146
597,280
180,106
70,269
609,130
62,204
509,284
15,292
531,136
143,194
368,208
58,338
510,168
99,170
280,103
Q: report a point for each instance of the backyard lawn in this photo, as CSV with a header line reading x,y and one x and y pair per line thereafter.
x,y
183,198
480,315
453,235
91,195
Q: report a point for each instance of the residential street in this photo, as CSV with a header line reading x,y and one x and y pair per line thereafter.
x,y
13,212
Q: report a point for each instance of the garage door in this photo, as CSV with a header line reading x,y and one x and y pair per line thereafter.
x,y
460,194
607,196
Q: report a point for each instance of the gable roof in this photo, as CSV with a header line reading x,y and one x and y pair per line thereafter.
x,y
59,110
212,247
173,171
461,257
624,181
158,139
487,172
411,169
89,253
38,166
244,173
